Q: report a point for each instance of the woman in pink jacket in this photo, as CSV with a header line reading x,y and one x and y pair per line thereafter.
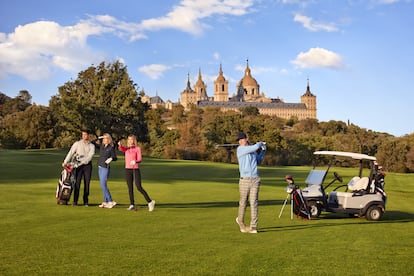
x,y
132,158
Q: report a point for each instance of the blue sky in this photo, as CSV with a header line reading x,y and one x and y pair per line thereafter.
x,y
358,55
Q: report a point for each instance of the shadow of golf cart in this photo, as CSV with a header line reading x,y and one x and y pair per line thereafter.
x,y
363,195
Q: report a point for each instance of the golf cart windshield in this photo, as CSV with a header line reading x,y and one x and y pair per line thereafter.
x,y
316,177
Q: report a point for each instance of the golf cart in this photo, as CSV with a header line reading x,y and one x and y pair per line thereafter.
x,y
363,195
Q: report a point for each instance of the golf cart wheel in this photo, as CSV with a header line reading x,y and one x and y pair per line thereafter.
x,y
374,213
314,209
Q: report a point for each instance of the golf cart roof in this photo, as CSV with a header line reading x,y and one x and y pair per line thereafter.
x,y
359,156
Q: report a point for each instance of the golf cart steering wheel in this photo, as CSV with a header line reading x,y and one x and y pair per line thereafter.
x,y
338,177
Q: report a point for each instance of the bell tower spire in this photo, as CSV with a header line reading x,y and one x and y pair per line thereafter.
x,y
309,100
221,87
200,88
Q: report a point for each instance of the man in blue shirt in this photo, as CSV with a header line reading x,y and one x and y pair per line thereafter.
x,y
249,156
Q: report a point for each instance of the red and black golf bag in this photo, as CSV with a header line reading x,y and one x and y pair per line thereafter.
x,y
299,206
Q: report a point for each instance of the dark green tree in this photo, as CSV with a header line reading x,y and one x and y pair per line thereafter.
x,y
31,128
11,105
249,111
392,155
157,129
102,99
177,114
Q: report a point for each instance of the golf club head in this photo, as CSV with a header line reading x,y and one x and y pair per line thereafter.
x,y
289,179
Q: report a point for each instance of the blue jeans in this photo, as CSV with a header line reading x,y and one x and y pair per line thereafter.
x,y
103,179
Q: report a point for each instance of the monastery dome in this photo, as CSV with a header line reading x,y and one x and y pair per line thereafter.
x,y
248,80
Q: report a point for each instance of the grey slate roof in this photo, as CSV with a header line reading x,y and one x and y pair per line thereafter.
x,y
273,105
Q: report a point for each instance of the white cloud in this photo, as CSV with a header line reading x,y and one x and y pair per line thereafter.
x,y
35,49
289,1
154,71
318,57
32,50
216,56
130,31
284,71
187,15
184,17
313,26
263,70
240,68
387,1
256,70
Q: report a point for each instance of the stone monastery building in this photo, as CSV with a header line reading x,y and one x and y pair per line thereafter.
x,y
247,94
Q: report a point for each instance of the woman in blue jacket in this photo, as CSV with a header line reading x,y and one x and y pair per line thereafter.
x,y
107,154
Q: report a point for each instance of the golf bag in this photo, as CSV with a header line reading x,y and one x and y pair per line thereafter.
x,y
378,176
299,205
66,184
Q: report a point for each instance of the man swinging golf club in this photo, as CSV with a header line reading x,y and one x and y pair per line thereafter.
x,y
249,157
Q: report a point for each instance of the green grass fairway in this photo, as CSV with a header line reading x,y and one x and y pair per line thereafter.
x,y
192,230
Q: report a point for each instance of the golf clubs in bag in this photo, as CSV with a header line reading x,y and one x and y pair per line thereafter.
x,y
66,182
299,207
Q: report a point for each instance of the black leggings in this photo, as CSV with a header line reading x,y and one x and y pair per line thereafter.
x,y
130,175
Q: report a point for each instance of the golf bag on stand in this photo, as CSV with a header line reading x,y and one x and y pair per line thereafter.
x,y
66,182
298,204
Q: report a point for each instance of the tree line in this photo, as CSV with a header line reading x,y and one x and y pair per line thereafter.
x,y
103,98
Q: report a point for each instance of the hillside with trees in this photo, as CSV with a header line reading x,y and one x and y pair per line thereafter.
x,y
103,98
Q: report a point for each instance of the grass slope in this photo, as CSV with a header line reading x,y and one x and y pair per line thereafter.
x,y
192,230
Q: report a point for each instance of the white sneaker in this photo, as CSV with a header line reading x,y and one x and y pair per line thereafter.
x,y
242,226
252,230
131,207
110,205
102,205
151,205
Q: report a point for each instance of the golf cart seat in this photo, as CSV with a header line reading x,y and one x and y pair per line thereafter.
x,y
358,183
